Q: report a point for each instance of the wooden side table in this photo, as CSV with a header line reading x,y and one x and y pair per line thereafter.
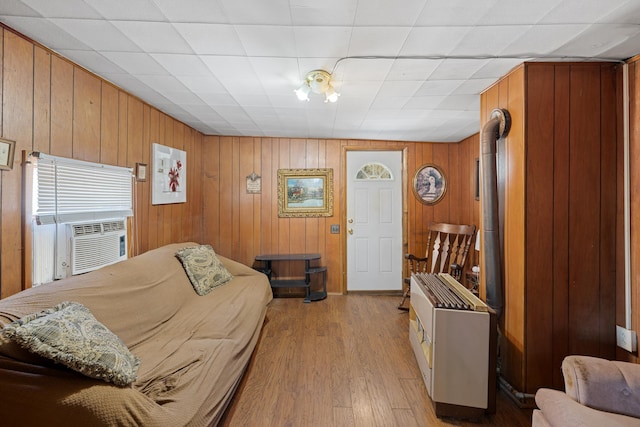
x,y
305,282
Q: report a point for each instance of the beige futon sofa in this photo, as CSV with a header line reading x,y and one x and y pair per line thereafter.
x,y
192,349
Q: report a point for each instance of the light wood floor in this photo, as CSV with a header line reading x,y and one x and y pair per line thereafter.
x,y
344,361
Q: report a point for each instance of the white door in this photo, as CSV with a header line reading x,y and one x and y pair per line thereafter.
x,y
374,220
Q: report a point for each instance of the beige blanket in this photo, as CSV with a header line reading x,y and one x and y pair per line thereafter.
x,y
193,349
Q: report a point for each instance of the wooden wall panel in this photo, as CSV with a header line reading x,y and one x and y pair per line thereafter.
x,y
61,107
634,181
86,116
241,226
41,100
17,125
51,105
539,259
559,227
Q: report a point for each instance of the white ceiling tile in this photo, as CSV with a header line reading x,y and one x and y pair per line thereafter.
x,y
181,65
453,12
541,40
164,83
489,40
593,41
92,61
474,86
235,73
272,12
457,68
518,12
76,9
154,37
460,102
438,87
211,39
277,72
136,63
385,41
217,98
322,42
99,35
399,88
433,41
495,68
580,11
44,32
412,69
267,40
206,11
16,8
229,67
202,83
251,100
313,12
128,10
384,12
424,102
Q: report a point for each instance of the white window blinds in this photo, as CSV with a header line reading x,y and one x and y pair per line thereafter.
x,y
67,190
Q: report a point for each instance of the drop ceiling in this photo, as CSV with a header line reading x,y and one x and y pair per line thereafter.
x,y
409,70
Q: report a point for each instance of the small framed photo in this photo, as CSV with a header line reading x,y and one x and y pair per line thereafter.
x,y
305,192
141,171
7,151
429,184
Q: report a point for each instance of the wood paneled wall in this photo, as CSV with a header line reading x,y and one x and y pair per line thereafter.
x,y
241,225
53,106
634,181
559,192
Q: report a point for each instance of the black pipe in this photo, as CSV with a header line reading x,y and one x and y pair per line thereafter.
x,y
497,127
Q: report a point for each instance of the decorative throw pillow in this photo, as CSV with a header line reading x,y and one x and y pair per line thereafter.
x,y
69,334
203,267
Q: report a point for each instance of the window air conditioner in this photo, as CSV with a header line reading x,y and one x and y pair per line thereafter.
x,y
90,245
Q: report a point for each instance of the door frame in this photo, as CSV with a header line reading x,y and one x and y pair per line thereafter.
x,y
343,204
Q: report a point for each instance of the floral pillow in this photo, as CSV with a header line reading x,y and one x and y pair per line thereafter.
x,y
70,335
203,267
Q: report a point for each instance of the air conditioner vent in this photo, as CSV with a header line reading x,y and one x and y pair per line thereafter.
x,y
86,229
113,226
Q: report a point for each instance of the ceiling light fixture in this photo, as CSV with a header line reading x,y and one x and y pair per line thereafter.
x,y
317,81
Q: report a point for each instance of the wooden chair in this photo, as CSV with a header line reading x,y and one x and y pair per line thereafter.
x,y
446,252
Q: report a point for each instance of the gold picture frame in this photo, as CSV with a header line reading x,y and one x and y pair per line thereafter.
x,y
429,184
305,192
7,151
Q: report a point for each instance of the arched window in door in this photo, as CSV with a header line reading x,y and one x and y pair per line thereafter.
x,y
374,172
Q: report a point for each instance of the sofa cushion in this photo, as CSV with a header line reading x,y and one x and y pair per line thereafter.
x,y
203,267
69,334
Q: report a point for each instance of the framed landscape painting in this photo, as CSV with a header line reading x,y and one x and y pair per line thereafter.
x,y
305,192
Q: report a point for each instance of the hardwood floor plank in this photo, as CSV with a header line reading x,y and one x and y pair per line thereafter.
x,y
344,361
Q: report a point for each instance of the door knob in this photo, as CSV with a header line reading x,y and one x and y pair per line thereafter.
x,y
350,220
350,230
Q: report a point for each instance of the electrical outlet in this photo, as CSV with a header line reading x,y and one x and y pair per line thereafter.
x,y
626,339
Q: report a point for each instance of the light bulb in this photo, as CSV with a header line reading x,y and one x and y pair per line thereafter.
x,y
331,95
303,92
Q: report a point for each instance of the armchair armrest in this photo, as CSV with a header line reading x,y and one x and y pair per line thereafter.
x,y
559,410
412,257
611,386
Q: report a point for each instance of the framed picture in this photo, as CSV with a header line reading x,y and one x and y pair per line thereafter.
x,y
429,184
305,192
7,150
141,171
169,175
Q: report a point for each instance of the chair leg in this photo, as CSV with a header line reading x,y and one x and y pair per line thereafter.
x,y
405,295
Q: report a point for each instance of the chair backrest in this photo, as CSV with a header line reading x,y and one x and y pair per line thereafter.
x,y
448,245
